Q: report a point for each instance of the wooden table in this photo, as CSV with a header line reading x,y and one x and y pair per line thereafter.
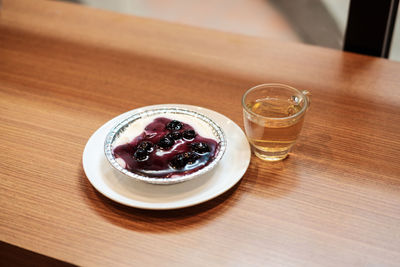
x,y
66,69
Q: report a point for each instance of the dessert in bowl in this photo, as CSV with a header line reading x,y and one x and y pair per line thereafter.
x,y
165,145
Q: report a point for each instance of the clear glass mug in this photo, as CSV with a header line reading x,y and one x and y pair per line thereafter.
x,y
273,117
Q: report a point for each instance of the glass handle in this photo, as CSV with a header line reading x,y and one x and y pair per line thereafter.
x,y
308,95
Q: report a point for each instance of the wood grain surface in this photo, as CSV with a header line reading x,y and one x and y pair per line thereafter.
x,y
65,70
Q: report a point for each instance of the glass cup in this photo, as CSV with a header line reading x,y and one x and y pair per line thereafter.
x,y
273,117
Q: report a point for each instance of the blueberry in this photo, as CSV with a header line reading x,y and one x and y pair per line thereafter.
x,y
174,135
178,161
141,154
189,134
200,147
191,157
146,145
174,125
166,142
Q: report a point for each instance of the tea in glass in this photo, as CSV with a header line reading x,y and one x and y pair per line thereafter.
x,y
273,118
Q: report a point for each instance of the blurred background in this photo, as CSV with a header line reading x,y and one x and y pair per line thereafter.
x,y
315,22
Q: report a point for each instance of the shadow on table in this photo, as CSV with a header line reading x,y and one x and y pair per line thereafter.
x,y
272,179
255,181
160,220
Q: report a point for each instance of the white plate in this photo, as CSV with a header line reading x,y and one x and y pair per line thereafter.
x,y
130,192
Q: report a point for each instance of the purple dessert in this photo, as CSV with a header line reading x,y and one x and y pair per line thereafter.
x,y
167,148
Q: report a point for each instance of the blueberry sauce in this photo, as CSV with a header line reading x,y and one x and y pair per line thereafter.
x,y
167,148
